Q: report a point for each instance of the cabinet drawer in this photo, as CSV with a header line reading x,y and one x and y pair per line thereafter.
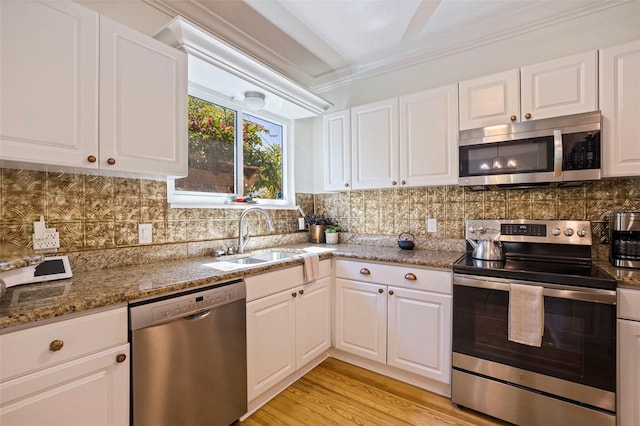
x,y
262,285
401,275
29,350
629,304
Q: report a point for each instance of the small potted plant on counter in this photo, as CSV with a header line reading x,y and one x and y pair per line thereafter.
x,y
331,233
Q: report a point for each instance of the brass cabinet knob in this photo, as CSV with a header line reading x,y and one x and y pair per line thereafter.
x,y
514,118
92,159
365,271
527,116
410,276
380,290
111,161
121,358
390,292
294,294
404,182
346,184
301,292
394,183
56,345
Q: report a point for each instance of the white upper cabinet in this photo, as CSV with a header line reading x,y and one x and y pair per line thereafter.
x,y
336,130
374,145
49,85
143,103
80,91
429,137
559,87
620,106
489,100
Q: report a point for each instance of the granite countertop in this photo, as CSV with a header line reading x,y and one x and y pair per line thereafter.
x,y
626,277
25,304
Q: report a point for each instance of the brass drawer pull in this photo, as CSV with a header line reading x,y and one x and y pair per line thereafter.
x,y
410,276
121,358
92,159
301,292
56,345
380,290
514,118
365,271
294,294
111,161
390,292
527,116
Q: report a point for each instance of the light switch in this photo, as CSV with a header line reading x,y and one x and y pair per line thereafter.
x,y
145,233
432,225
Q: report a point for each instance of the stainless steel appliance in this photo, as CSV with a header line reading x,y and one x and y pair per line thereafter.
x,y
548,150
189,359
570,377
624,239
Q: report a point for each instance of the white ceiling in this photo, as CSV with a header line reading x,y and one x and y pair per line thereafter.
x,y
326,43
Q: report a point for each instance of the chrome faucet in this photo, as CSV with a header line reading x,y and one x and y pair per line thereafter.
x,y
243,239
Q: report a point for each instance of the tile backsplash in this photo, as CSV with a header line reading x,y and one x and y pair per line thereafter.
x,y
392,211
98,212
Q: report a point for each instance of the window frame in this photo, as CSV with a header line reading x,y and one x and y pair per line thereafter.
x,y
193,199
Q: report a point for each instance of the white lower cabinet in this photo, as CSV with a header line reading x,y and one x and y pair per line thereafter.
x,y
628,392
396,315
285,330
72,372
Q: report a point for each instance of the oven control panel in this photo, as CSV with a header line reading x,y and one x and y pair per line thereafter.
x,y
530,230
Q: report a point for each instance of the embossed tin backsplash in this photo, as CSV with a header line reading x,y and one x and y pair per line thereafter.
x,y
96,212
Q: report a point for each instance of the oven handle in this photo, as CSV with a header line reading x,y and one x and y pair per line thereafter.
x,y
595,295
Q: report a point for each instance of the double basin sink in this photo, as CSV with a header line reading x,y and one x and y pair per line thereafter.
x,y
266,257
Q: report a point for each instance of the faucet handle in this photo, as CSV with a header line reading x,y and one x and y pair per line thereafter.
x,y
232,249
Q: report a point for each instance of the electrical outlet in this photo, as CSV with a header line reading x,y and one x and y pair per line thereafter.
x,y
145,233
432,225
49,240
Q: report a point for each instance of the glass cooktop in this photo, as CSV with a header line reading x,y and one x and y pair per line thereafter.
x,y
564,273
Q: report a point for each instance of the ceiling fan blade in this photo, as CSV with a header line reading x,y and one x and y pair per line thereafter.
x,y
420,19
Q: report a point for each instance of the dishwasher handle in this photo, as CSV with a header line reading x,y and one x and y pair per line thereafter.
x,y
198,315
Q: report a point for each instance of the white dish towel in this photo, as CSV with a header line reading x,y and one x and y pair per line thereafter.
x,y
526,314
311,266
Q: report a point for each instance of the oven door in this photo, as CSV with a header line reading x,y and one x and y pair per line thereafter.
x,y
577,358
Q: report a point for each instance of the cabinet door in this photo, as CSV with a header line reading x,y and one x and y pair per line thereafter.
x,y
93,390
361,319
620,106
628,372
313,321
560,87
490,100
49,84
143,103
419,333
429,137
337,150
271,354
374,145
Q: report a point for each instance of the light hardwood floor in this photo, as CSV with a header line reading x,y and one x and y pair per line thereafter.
x,y
337,393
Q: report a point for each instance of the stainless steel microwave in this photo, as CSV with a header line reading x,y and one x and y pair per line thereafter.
x,y
555,149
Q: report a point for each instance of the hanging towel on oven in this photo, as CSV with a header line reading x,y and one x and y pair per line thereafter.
x,y
526,314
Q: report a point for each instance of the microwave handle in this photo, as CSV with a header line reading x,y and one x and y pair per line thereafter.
x,y
557,153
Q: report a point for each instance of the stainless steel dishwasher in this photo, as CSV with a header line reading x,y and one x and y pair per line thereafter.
x,y
189,357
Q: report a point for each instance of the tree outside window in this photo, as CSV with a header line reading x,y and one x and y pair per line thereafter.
x,y
214,146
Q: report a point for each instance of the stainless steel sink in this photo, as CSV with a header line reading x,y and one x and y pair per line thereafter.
x,y
270,256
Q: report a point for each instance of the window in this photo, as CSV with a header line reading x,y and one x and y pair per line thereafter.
x,y
225,163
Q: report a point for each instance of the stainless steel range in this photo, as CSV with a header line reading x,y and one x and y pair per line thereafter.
x,y
534,334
